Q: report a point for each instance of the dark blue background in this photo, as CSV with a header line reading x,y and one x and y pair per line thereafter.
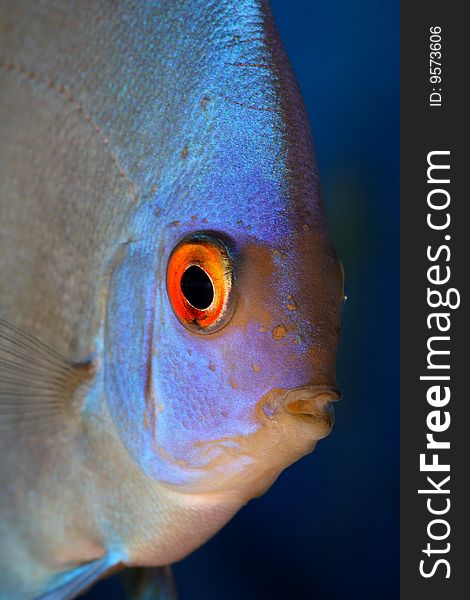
x,y
328,529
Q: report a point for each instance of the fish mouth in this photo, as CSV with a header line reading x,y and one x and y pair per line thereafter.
x,y
305,413
312,401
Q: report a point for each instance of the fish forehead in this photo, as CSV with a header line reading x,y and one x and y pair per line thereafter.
x,y
244,156
195,99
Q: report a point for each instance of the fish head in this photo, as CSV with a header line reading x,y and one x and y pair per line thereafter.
x,y
228,376
223,314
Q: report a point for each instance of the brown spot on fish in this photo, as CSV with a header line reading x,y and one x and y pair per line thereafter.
x,y
262,329
153,189
204,101
185,152
234,384
291,306
255,367
279,332
193,217
175,223
306,227
212,366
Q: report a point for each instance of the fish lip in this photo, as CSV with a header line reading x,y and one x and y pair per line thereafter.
x,y
312,400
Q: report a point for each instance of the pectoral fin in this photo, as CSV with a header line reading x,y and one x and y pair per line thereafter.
x,y
37,385
69,585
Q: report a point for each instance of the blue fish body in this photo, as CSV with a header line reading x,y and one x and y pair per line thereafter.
x,y
132,131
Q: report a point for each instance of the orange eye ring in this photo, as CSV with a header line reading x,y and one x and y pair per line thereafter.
x,y
199,283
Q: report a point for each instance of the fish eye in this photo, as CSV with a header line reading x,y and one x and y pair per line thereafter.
x,y
197,287
200,283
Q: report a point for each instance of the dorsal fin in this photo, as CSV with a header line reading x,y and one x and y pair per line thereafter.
x,y
37,384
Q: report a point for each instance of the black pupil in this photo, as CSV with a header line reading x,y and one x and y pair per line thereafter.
x,y
197,287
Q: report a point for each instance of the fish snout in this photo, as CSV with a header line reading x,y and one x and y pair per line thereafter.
x,y
316,401
306,413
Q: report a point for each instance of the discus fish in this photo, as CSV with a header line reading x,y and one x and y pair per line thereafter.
x,y
170,301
